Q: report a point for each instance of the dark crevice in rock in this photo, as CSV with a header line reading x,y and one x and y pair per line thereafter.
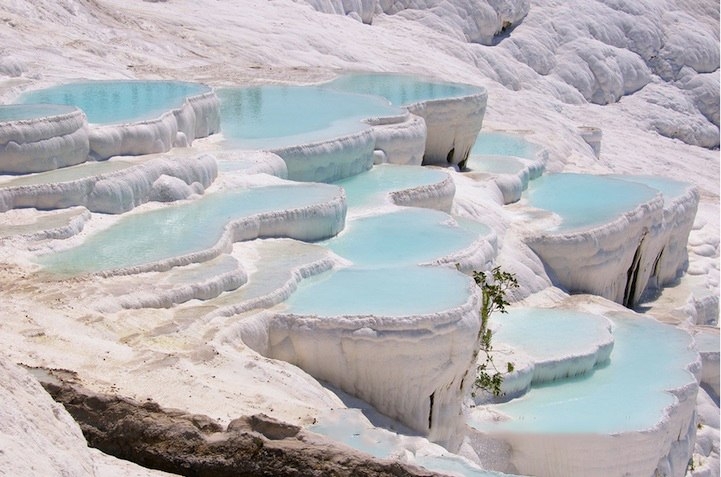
x,y
632,277
430,412
195,445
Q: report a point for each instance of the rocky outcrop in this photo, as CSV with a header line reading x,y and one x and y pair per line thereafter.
x,y
195,445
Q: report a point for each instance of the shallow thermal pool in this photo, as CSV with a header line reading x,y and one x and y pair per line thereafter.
x,y
495,164
410,236
114,102
24,112
670,188
401,90
268,117
503,144
630,393
372,187
585,200
550,333
397,291
179,229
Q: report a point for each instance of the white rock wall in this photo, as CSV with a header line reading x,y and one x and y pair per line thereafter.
x,y
330,160
37,435
375,358
198,117
43,144
399,142
120,191
598,260
452,126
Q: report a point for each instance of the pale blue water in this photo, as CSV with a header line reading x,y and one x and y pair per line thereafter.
x,y
474,226
113,102
266,117
585,200
397,291
503,144
179,229
495,164
549,333
670,188
408,237
17,112
401,89
373,186
628,394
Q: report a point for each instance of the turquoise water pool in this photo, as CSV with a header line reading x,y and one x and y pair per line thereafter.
x,y
395,291
372,187
268,117
670,188
550,334
495,164
584,200
179,229
401,90
113,102
628,394
408,237
503,144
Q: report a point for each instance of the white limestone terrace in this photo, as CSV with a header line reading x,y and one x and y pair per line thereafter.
x,y
453,113
707,343
576,345
611,237
357,329
530,75
380,305
35,138
411,186
131,117
283,328
340,128
35,225
585,61
201,229
111,187
554,428
197,281
509,159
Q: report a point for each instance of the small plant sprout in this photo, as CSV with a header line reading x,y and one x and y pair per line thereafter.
x,y
494,286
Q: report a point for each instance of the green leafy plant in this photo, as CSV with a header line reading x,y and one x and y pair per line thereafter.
x,y
494,286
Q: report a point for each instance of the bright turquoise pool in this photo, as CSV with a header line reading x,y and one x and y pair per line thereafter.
x,y
114,102
551,334
410,236
584,200
372,187
503,144
670,188
395,291
495,164
629,394
179,229
269,117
